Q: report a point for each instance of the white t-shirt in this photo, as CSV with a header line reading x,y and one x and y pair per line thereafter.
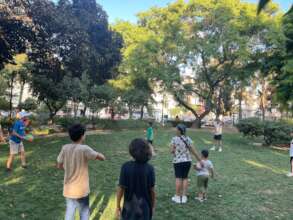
x,y
291,149
182,153
204,168
218,128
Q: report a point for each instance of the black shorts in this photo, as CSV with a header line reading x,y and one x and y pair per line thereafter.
x,y
182,170
150,141
218,137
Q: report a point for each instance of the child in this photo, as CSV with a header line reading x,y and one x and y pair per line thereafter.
x,y
150,137
15,142
74,158
218,125
137,184
291,157
204,170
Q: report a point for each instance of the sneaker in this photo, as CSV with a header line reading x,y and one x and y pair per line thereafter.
x,y
24,166
184,199
176,199
220,149
8,170
213,148
290,174
199,199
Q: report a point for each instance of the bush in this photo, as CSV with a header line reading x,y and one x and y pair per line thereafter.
x,y
277,132
252,127
7,123
273,132
105,124
174,123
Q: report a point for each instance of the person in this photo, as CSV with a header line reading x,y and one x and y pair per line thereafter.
x,y
204,170
137,184
73,159
290,174
218,125
181,148
150,137
16,141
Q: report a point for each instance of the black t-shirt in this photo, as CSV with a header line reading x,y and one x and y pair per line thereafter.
x,y
137,179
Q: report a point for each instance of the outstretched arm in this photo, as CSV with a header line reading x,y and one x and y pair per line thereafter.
x,y
195,153
153,198
100,157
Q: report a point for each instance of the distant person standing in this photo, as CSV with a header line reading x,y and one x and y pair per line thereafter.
x,y
150,137
218,132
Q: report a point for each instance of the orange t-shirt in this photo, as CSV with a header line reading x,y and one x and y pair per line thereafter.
x,y
74,158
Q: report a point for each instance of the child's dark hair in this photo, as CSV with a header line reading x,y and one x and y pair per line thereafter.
x,y
181,128
140,150
76,131
205,153
150,123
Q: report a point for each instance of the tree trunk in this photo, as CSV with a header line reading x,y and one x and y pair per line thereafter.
x,y
21,93
197,122
84,111
11,96
130,112
141,112
240,104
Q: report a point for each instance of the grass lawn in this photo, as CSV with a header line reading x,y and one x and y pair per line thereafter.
x,y
251,181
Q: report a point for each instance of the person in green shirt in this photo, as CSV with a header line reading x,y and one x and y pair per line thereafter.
x,y
150,137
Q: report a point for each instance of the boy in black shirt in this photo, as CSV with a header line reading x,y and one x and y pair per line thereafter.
x,y
136,183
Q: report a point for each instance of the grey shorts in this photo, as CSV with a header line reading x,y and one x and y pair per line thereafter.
x,y
15,148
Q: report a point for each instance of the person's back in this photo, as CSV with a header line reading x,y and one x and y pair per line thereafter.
x,y
74,158
138,179
204,169
75,164
136,184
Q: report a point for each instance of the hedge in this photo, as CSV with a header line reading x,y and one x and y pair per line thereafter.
x,y
96,123
273,132
174,123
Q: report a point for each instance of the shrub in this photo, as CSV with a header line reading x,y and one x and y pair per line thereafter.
x,y
96,123
277,132
252,127
273,132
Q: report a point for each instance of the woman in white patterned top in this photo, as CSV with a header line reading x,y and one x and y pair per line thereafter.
x,y
181,148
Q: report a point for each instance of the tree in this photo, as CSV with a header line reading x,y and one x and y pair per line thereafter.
x,y
15,30
73,38
29,104
133,83
283,81
211,41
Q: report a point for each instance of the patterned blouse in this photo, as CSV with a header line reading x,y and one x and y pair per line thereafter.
x,y
181,151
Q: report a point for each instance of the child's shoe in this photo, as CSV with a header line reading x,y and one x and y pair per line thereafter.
x,y
213,148
290,174
184,199
176,199
220,149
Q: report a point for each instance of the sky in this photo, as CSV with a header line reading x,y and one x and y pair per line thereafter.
x,y
127,9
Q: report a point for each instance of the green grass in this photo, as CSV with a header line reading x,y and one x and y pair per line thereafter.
x,y
251,181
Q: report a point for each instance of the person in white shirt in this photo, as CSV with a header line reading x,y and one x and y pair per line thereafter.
x,y
291,157
218,131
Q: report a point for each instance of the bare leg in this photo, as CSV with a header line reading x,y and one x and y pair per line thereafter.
x,y
179,184
10,161
185,187
22,157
